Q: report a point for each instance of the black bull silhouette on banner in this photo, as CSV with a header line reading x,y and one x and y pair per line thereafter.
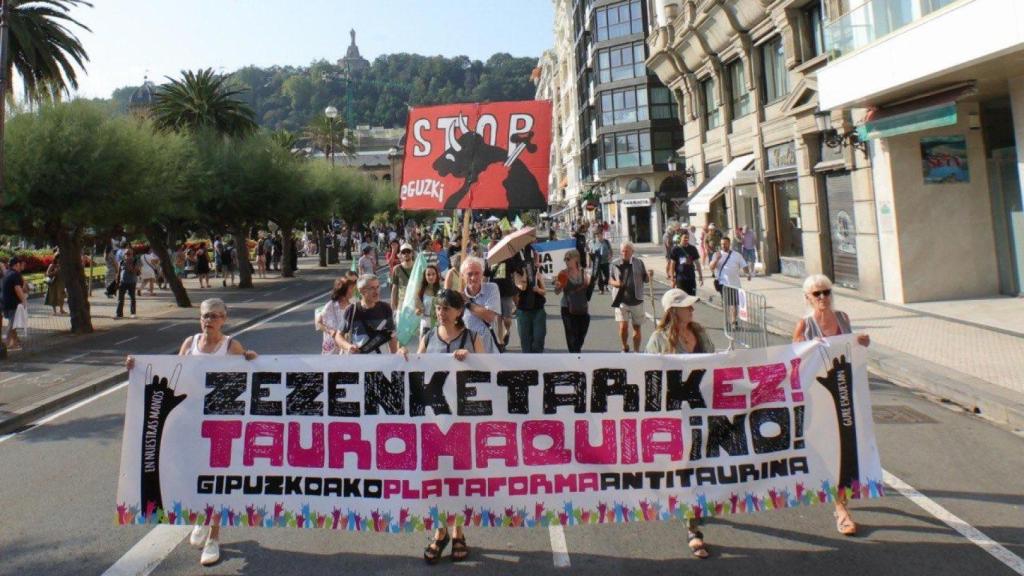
x,y
469,156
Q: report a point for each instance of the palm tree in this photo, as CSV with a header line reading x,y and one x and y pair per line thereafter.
x,y
35,41
329,135
287,140
202,100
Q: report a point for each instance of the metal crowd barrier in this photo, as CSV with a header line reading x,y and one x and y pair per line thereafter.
x,y
744,318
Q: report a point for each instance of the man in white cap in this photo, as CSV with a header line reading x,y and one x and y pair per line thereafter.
x,y
400,275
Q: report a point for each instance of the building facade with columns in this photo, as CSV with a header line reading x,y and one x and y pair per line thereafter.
x,y
745,73
941,120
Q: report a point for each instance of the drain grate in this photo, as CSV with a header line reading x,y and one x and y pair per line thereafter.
x,y
899,415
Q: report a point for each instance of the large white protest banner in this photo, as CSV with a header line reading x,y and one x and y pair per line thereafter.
x,y
383,444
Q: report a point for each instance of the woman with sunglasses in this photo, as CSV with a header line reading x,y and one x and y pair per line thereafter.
x,y
823,321
451,336
212,341
572,284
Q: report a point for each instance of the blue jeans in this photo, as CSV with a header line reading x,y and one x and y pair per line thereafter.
x,y
532,325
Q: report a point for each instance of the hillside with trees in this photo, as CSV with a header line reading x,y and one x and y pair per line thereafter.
x,y
289,97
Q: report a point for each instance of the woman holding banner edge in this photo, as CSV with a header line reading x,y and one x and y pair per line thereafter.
x,y
824,321
451,331
212,341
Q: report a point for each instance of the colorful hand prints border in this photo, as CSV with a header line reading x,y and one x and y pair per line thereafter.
x,y
569,515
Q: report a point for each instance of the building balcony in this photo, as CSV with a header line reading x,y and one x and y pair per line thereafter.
x,y
900,49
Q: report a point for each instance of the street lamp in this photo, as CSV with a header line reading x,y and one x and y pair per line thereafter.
x,y
673,163
832,138
332,114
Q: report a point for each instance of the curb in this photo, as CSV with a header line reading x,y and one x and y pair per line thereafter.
x,y
943,385
22,418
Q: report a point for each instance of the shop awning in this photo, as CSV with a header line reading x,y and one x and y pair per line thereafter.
x,y
700,203
932,111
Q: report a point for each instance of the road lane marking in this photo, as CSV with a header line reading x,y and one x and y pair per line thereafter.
x,y
1014,562
64,411
168,327
15,377
559,549
247,301
118,343
73,358
149,552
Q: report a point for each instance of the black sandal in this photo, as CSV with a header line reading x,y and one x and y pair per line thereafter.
x,y
700,550
433,552
459,549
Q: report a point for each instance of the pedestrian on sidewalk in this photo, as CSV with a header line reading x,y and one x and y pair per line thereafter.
x,y
211,341
110,275
218,251
55,286
685,265
203,266
531,318
712,240
329,319
748,243
451,336
668,242
127,281
12,295
261,257
572,284
823,321
629,277
150,270
677,333
228,261
601,249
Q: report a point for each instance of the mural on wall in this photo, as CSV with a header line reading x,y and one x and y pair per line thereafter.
x,y
944,160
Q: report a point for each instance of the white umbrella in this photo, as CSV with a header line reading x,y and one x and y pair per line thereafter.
x,y
510,245
493,219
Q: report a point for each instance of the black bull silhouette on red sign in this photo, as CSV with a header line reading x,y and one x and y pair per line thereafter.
x,y
469,156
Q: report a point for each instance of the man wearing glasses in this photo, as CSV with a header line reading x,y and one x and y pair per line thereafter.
x,y
368,324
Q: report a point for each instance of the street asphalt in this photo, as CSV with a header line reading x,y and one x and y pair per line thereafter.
x,y
59,481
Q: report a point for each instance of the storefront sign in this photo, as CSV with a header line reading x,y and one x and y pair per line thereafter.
x,y
634,202
781,157
384,444
944,160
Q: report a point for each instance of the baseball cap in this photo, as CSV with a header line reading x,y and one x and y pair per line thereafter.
x,y
676,298
406,246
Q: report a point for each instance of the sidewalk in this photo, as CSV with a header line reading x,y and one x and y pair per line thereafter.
x,y
969,352
58,368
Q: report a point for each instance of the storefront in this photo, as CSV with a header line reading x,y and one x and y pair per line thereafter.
x,y
783,194
639,216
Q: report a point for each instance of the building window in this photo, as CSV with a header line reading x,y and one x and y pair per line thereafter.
x,y
741,105
929,6
663,105
638,186
624,106
626,150
775,75
665,144
619,20
621,62
814,30
712,113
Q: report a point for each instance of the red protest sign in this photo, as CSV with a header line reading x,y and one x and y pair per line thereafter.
x,y
489,156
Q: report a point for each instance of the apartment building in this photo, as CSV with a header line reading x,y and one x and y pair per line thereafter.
x,y
745,73
936,89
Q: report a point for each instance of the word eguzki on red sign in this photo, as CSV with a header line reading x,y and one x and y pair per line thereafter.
x,y
484,156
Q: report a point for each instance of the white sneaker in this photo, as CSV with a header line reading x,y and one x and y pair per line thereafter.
x,y
211,553
133,316
199,535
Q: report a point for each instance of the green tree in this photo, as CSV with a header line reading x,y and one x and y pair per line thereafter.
x,y
73,167
200,100
329,135
36,41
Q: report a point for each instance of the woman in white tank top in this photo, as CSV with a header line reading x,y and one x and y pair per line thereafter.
x,y
210,342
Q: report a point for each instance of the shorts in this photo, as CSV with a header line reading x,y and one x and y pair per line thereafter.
x,y
750,255
508,307
633,314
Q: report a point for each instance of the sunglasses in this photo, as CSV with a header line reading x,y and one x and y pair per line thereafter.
x,y
211,316
821,293
405,252
371,288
